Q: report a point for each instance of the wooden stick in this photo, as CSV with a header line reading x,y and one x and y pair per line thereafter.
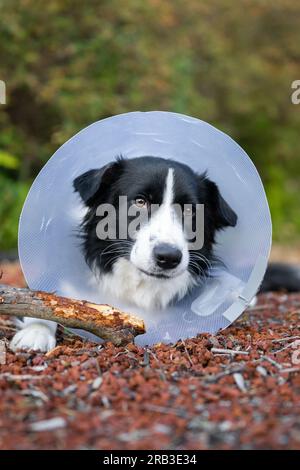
x,y
102,320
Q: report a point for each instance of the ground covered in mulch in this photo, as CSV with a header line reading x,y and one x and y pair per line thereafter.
x,y
239,389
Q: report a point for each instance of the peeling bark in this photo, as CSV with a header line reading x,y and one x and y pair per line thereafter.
x,y
105,321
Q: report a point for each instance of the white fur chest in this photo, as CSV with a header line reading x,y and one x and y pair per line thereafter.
x,y
132,286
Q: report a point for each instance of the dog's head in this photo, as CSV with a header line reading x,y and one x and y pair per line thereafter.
x,y
164,193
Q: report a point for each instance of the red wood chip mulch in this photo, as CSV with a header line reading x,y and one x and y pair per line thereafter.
x,y
237,390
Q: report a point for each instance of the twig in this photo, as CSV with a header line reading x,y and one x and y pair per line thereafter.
x,y
271,361
2,352
258,307
228,351
290,369
9,376
160,366
187,353
165,410
281,340
290,345
35,394
102,320
220,375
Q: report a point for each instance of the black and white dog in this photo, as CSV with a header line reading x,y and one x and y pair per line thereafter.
x,y
154,266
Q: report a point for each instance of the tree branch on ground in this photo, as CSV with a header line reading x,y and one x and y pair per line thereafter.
x,y
105,321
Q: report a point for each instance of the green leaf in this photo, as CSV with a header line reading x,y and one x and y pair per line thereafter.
x,y
8,161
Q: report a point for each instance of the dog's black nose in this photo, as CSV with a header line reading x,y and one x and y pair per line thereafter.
x,y
167,256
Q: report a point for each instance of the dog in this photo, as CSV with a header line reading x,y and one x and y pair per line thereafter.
x,y
155,266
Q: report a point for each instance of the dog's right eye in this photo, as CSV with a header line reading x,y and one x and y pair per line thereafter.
x,y
140,202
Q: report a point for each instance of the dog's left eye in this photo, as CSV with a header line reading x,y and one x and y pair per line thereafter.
x,y
140,202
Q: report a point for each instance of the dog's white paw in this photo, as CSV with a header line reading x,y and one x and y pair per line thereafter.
x,y
35,336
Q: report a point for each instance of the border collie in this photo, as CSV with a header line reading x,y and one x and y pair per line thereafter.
x,y
155,265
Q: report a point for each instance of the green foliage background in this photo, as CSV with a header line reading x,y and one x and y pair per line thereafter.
x,y
69,63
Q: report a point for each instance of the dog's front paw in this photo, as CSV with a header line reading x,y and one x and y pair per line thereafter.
x,y
35,336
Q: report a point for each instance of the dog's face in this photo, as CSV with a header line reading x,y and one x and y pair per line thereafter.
x,y
156,253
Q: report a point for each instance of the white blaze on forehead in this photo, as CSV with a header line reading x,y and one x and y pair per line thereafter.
x,y
168,197
163,227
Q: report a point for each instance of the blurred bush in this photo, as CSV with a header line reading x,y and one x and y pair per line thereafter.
x,y
69,63
11,201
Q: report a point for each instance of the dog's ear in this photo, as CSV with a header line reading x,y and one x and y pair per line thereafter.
x,y
88,184
223,215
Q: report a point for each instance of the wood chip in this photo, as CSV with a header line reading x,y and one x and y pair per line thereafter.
x,y
48,425
239,380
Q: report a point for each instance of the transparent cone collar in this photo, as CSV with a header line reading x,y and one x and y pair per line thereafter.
x,y
49,253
